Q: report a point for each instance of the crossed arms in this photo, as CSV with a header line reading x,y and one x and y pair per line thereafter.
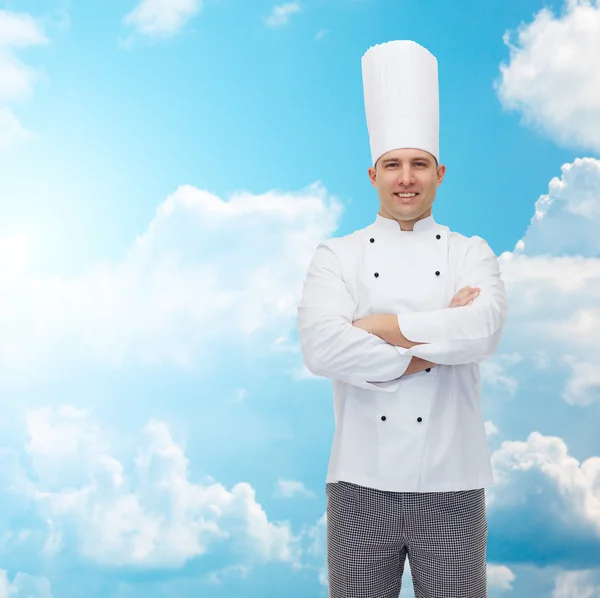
x,y
386,327
376,351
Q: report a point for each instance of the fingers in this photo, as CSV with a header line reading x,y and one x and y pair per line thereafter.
x,y
462,294
467,290
468,293
465,296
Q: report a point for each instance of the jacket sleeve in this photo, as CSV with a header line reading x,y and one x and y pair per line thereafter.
x,y
331,346
460,335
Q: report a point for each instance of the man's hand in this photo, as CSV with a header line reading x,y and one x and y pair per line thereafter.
x,y
385,326
465,297
369,323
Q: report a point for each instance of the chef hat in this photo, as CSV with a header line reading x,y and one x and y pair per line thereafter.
x,y
400,84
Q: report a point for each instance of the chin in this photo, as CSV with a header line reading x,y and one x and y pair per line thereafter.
x,y
407,214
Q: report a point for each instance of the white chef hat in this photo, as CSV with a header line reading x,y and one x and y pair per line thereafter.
x,y
401,93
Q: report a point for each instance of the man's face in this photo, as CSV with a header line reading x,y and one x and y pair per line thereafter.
x,y
406,181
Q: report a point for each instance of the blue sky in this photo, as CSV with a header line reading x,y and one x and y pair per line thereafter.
x,y
166,171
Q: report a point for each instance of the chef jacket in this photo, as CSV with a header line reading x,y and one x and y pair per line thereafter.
x,y
422,432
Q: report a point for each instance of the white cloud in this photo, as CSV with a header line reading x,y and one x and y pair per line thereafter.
x,y
149,514
491,429
24,586
317,535
541,359
565,220
280,14
553,282
499,577
19,30
493,372
583,386
563,493
577,584
553,306
12,132
552,75
241,395
291,488
17,80
223,575
162,18
317,548
199,275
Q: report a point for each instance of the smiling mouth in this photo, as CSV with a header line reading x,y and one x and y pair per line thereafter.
x,y
406,195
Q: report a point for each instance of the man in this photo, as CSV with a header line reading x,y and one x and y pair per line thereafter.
x,y
399,315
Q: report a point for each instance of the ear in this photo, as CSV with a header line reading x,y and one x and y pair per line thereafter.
x,y
441,172
373,176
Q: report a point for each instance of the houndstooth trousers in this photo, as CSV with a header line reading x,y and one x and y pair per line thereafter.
x,y
370,533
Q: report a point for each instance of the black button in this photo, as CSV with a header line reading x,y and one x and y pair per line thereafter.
x,y
438,237
437,272
376,274
372,240
428,370
419,419
383,418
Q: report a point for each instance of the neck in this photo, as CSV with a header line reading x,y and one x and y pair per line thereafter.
x,y
407,225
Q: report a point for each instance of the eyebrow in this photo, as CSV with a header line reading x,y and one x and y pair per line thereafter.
x,y
388,160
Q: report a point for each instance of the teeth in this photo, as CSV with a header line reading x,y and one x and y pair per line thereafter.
x,y
405,194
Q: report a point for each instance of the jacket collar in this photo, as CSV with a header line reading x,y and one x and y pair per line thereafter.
x,y
423,225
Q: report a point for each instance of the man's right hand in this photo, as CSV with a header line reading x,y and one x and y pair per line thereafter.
x,y
465,296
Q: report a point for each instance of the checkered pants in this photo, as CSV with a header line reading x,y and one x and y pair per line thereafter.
x,y
370,533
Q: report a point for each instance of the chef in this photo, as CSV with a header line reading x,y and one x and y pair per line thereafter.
x,y
399,315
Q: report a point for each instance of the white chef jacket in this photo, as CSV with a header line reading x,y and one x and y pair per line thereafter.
x,y
423,432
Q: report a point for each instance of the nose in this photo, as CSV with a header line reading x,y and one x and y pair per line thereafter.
x,y
406,177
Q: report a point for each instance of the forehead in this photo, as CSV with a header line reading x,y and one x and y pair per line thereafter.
x,y
406,154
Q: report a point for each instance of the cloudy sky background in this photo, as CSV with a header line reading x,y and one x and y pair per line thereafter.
x,y
166,171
